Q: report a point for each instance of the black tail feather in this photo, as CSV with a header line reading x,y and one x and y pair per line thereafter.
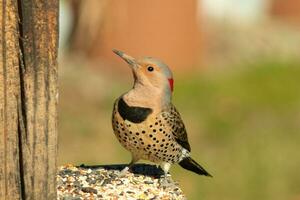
x,y
189,164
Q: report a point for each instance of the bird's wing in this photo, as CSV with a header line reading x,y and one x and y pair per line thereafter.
x,y
175,123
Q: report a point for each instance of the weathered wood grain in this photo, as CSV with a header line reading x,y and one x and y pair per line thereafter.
x,y
28,98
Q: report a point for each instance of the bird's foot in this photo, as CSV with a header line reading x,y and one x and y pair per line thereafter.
x,y
165,181
123,172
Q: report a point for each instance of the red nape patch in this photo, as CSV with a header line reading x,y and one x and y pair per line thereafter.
x,y
171,83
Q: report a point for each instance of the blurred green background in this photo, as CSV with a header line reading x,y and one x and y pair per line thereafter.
x,y
239,99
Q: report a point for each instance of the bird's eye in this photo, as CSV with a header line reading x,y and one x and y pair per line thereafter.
x,y
150,68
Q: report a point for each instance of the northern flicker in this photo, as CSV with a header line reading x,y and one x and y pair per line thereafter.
x,y
145,121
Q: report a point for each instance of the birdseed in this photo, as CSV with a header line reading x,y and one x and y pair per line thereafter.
x,y
81,183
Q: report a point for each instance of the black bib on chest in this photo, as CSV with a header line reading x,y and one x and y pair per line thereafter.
x,y
133,113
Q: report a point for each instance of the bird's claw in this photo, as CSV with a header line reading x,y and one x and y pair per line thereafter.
x,y
165,181
123,172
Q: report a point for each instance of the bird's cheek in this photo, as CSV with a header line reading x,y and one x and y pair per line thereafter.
x,y
138,73
141,78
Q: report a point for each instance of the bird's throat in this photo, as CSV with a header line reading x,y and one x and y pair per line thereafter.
x,y
149,97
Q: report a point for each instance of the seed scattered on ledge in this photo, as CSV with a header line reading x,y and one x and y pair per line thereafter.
x,y
75,183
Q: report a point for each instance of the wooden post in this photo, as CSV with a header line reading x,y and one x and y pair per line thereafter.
x,y
28,98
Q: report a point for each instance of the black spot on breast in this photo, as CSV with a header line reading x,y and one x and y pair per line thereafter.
x,y
133,113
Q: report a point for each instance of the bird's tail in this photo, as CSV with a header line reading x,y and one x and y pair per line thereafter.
x,y
189,164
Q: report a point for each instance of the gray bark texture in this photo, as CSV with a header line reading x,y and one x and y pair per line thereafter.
x,y
28,98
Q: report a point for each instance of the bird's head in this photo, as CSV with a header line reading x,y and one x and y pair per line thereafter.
x,y
150,72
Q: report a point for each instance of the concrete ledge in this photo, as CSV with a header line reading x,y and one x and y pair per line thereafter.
x,y
103,182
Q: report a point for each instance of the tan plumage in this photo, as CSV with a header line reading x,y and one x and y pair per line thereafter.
x,y
145,121
156,138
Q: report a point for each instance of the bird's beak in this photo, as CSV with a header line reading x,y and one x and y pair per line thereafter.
x,y
130,60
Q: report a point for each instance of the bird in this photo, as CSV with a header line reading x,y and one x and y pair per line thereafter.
x,y
145,121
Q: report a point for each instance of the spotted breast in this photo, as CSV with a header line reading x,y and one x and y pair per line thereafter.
x,y
152,137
